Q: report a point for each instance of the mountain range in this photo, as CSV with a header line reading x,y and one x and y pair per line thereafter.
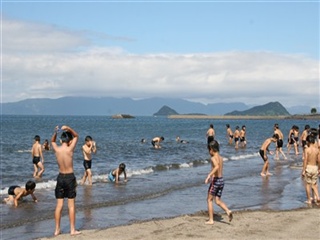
x,y
109,106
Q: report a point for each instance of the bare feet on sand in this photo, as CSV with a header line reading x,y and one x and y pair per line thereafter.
x,y
209,222
75,233
262,174
230,216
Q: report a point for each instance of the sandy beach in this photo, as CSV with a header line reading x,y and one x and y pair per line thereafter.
x,y
293,224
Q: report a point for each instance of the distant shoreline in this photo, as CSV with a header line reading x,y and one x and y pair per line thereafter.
x,y
298,117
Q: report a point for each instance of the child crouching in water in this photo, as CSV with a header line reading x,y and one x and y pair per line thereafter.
x,y
114,175
16,193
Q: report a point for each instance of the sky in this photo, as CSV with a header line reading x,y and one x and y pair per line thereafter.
x,y
253,52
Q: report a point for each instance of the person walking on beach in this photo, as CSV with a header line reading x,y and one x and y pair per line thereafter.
x,y
156,142
210,134
16,193
263,153
215,177
229,134
87,149
311,169
279,142
37,158
236,136
66,180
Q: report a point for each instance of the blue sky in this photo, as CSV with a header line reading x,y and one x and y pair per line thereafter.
x,y
206,51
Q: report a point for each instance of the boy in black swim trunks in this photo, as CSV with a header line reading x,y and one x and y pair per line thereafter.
x,y
66,180
87,149
16,193
216,182
37,158
263,153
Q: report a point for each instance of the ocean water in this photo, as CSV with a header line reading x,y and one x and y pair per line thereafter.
x,y
161,183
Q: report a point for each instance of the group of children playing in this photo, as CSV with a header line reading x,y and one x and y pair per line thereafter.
x,y
64,155
310,156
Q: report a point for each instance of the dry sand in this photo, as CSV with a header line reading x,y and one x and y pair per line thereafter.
x,y
293,224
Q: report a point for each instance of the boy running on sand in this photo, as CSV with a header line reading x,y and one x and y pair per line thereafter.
x,y
16,193
37,158
216,182
263,153
66,181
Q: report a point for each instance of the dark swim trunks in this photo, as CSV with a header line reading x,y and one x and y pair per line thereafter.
x,y
216,186
66,186
236,139
153,143
262,154
279,143
87,164
210,139
36,160
11,190
242,139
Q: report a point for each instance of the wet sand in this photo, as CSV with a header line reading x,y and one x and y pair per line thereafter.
x,y
293,224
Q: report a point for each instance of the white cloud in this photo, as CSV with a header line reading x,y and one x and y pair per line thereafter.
x,y
41,61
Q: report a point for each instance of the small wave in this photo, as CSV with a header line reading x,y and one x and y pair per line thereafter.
x,y
245,156
24,151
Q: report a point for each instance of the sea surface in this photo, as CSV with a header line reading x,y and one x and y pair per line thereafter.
x,y
161,183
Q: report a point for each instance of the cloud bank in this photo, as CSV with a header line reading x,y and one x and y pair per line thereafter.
x,y
45,61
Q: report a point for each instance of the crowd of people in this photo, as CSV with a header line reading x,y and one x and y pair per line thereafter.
x,y
66,180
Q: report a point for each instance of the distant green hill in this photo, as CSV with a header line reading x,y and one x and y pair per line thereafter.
x,y
165,111
269,109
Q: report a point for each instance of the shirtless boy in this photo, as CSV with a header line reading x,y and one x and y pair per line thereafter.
x,y
156,142
311,169
210,134
263,153
114,175
236,137
215,177
229,134
37,158
66,180
279,142
88,148
16,193
243,140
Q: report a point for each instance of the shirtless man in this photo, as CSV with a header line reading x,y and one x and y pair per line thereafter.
x,y
66,180
37,158
279,142
311,169
229,134
156,142
263,153
215,177
236,136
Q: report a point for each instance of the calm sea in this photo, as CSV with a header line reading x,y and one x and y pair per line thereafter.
x,y
161,183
